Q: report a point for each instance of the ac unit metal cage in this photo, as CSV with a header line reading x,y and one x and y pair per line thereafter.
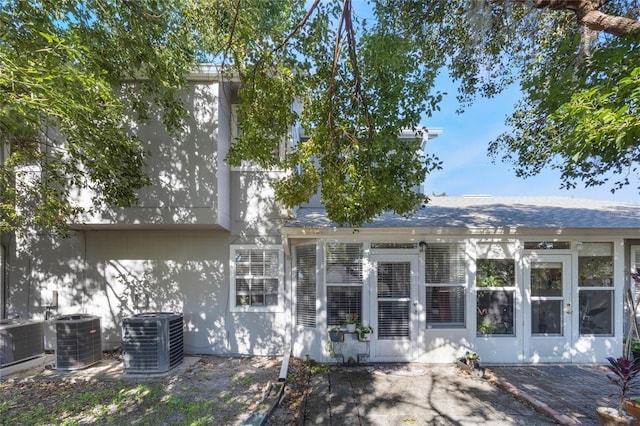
x,y
152,342
78,341
20,340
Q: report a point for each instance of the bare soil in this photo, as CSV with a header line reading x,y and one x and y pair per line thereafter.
x,y
215,390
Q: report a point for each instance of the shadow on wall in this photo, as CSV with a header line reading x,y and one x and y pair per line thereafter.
x,y
183,167
116,273
126,273
129,272
170,271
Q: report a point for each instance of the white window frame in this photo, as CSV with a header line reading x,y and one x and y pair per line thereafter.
x,y
279,307
329,283
498,250
598,287
463,285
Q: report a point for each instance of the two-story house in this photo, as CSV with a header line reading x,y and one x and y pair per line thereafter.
x,y
517,280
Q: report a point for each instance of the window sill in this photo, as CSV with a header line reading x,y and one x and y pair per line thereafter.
x,y
257,309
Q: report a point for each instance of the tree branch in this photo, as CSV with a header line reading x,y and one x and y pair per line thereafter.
x,y
587,13
616,25
334,69
236,15
359,94
299,26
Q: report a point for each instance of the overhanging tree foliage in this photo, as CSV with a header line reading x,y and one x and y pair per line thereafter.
x,y
62,119
359,90
576,61
361,83
579,113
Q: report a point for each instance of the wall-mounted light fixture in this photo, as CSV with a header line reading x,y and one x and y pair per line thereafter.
x,y
422,246
579,245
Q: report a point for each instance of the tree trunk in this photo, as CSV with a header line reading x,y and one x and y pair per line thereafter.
x,y
587,13
615,25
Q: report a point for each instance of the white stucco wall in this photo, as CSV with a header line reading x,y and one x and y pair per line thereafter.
x,y
104,272
189,179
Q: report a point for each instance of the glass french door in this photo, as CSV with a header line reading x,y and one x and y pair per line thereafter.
x,y
394,298
549,308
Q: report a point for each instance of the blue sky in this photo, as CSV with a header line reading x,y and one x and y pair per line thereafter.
x,y
467,170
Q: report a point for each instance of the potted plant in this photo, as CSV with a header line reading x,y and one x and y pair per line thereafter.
x,y
470,363
336,334
472,359
624,377
350,322
469,360
632,405
364,332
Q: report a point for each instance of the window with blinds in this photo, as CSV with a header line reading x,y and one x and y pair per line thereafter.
x,y
344,281
344,263
394,293
445,280
306,285
343,301
394,319
256,277
394,279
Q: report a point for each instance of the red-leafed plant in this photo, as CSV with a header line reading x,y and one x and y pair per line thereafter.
x,y
625,375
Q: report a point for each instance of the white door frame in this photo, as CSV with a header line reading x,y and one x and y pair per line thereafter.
x,y
555,345
394,350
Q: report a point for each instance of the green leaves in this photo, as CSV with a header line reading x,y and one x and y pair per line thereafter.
x,y
601,131
579,111
87,69
356,103
62,121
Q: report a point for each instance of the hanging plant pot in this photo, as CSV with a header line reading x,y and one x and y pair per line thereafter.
x,y
336,336
365,337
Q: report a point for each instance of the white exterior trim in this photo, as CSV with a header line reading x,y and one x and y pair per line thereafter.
x,y
279,307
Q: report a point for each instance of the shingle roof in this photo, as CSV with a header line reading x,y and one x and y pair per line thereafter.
x,y
493,212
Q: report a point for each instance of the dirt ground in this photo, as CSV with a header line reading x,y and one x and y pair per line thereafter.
x,y
290,409
215,390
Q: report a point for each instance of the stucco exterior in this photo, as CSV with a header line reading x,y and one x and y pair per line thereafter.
x,y
171,251
211,242
560,233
